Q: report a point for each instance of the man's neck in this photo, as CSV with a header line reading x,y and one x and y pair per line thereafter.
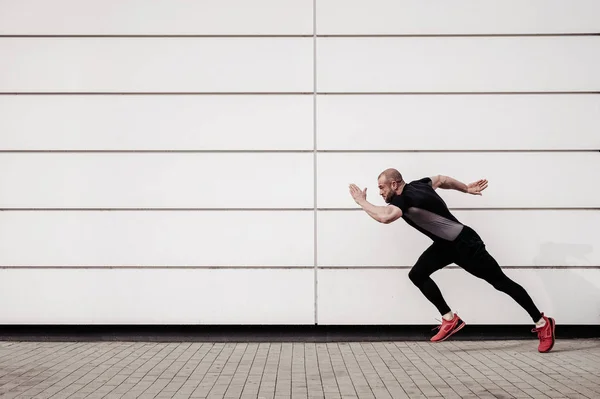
x,y
400,189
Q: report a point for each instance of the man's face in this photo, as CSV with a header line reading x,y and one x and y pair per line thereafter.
x,y
386,189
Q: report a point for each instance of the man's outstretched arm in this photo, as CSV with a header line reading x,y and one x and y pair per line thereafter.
x,y
383,214
449,183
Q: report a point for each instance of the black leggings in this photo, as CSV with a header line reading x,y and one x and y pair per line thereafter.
x,y
467,251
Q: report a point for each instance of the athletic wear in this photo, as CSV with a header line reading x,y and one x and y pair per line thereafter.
x,y
546,334
448,328
467,251
426,211
454,242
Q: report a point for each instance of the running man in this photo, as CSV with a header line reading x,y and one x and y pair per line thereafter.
x,y
453,242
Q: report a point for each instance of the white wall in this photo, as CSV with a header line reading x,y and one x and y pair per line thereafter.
x,y
188,162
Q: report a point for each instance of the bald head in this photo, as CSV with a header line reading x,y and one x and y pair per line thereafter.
x,y
391,175
390,183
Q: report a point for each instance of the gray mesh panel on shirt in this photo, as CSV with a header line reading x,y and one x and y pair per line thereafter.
x,y
434,223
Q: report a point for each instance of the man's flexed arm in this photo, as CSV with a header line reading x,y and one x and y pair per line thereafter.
x,y
449,183
383,214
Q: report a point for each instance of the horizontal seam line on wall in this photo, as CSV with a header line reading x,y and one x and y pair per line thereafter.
x,y
160,267
434,35
460,151
451,93
158,151
224,151
301,35
285,209
453,267
157,93
149,267
488,209
175,36
304,93
162,209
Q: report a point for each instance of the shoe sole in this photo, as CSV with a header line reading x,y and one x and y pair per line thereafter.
x,y
553,325
454,331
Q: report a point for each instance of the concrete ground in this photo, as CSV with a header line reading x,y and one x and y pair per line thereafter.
x,y
387,369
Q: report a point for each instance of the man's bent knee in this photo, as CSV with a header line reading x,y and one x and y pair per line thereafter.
x,y
416,277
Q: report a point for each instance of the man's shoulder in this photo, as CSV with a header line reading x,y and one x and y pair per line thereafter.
x,y
417,190
424,180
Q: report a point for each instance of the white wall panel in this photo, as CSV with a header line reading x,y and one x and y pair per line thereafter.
x,y
134,17
522,180
165,238
157,296
389,297
156,65
115,122
457,17
464,64
458,122
513,238
146,180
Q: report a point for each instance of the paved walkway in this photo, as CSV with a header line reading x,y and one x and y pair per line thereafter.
x,y
454,369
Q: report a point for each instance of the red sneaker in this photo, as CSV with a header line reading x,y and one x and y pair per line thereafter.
x,y
546,334
448,328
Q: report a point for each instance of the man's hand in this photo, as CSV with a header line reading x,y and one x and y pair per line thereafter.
x,y
358,195
477,187
383,214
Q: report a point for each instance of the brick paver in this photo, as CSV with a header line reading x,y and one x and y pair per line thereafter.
x,y
453,369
